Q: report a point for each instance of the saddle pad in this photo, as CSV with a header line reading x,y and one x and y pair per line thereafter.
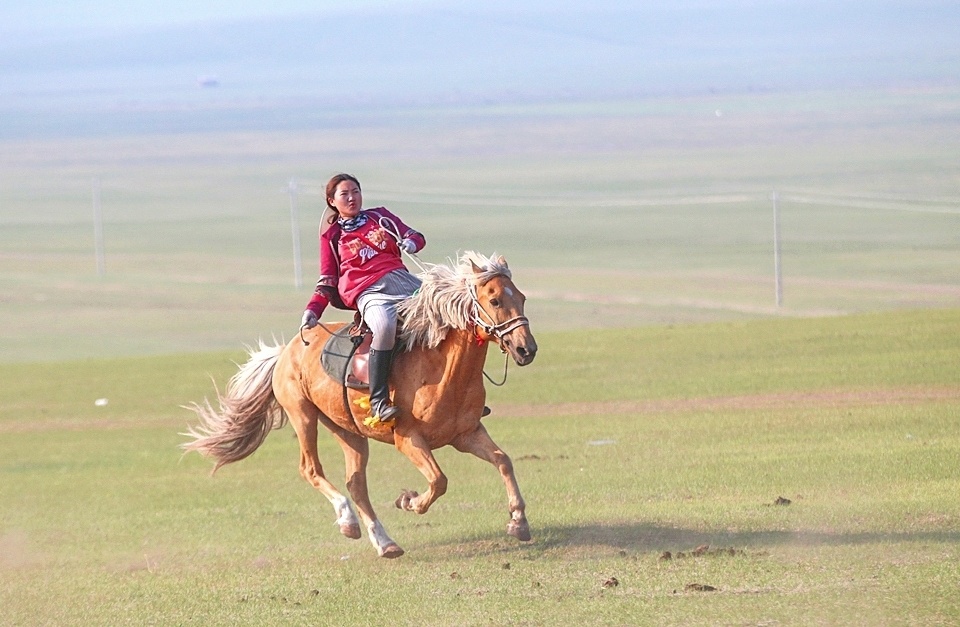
x,y
338,351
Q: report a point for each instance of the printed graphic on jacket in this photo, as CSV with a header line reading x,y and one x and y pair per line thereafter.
x,y
361,246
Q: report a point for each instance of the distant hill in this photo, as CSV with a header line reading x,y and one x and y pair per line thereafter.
x,y
68,81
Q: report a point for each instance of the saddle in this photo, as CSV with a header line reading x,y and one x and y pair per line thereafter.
x,y
345,356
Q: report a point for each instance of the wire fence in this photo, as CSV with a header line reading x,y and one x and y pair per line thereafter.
x,y
152,280
801,227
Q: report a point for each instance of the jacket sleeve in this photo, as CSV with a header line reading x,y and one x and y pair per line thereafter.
x,y
319,301
418,239
326,289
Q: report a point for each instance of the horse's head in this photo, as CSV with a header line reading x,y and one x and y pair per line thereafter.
x,y
499,315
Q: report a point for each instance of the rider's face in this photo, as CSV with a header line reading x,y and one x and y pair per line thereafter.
x,y
347,199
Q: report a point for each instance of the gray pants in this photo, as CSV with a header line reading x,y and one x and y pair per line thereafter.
x,y
378,306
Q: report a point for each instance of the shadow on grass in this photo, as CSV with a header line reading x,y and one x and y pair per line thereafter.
x,y
642,537
647,537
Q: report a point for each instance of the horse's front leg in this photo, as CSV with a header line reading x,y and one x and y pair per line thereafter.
x,y
418,451
479,443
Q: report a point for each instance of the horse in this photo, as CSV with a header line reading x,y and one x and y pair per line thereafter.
x,y
436,382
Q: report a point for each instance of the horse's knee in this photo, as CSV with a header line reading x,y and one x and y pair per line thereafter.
x,y
502,461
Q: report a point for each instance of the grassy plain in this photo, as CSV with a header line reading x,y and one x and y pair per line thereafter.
x,y
628,444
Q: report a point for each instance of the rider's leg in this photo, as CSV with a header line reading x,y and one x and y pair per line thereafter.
x,y
381,317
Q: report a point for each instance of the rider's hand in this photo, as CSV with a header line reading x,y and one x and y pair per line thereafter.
x,y
309,319
408,245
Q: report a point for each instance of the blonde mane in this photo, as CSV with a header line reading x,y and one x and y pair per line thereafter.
x,y
444,301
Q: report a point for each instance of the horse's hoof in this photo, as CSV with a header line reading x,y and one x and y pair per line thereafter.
x,y
392,552
403,501
519,530
351,531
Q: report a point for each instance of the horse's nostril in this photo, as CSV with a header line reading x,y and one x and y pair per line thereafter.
x,y
522,351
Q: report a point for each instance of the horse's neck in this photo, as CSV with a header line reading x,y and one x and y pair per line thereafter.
x,y
463,353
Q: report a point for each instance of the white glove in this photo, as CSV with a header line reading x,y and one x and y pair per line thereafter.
x,y
408,245
309,319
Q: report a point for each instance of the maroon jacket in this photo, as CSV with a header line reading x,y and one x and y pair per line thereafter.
x,y
350,262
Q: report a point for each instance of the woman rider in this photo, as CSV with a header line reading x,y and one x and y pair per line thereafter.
x,y
361,267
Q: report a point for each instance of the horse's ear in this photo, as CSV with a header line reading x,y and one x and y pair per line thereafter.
x,y
501,261
476,269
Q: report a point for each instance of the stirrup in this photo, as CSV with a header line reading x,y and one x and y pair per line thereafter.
x,y
377,418
387,412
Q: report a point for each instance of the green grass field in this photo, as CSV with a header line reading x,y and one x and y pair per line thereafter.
x,y
671,405
628,444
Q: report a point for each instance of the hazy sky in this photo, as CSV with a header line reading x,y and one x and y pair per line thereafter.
x,y
57,15
38,15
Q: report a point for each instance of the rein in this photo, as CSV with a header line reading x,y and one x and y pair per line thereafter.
x,y
490,328
390,227
320,324
506,360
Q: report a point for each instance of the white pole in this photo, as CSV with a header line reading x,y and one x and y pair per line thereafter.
x,y
778,276
295,231
98,249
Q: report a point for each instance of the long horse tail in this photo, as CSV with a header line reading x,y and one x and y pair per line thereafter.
x,y
248,412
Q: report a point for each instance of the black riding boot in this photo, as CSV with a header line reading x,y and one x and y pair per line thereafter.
x,y
379,368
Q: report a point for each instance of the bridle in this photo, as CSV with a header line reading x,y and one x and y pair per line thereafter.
x,y
497,330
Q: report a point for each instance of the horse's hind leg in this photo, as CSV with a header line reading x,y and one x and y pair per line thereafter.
x,y
480,443
356,452
304,418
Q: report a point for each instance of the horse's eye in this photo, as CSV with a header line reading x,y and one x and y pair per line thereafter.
x,y
494,302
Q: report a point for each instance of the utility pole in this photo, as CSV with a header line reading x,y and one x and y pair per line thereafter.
x,y
778,275
293,191
98,249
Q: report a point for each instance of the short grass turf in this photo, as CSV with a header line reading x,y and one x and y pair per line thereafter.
x,y
795,471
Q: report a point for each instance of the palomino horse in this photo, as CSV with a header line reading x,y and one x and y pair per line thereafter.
x,y
437,383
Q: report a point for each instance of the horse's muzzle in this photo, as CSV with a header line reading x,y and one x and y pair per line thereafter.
x,y
522,352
